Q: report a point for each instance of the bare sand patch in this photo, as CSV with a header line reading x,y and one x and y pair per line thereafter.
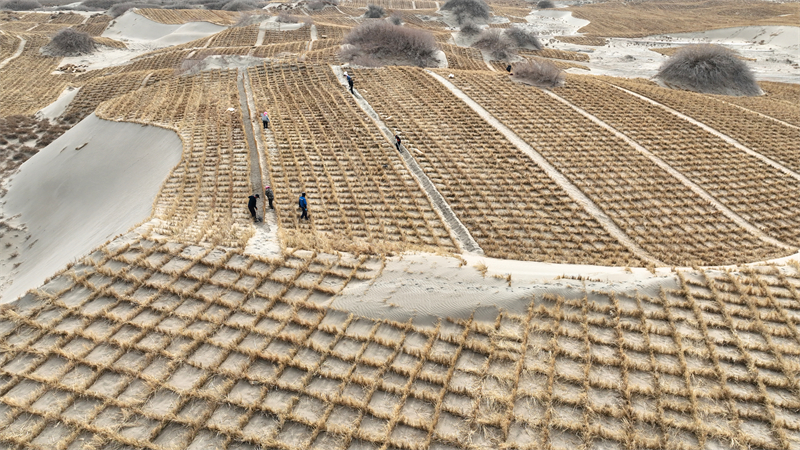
x,y
94,182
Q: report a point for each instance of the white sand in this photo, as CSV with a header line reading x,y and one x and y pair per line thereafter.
x,y
57,108
136,28
141,35
549,22
775,50
425,287
96,181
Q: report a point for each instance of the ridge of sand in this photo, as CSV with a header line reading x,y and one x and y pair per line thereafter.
x,y
56,109
94,182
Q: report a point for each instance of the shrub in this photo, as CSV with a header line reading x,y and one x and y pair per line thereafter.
x,y
374,12
495,43
239,5
315,5
544,4
383,41
284,17
20,5
470,28
396,19
709,69
466,10
538,73
70,42
522,38
99,4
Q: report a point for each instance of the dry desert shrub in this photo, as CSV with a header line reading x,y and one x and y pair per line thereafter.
x,y
465,10
239,5
99,4
318,5
384,42
522,38
70,42
285,17
20,5
539,73
496,43
374,12
396,19
470,28
544,4
709,69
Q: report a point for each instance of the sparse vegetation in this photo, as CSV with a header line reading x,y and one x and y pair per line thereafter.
x,y
396,19
538,73
467,10
374,12
20,5
545,4
70,42
387,43
710,69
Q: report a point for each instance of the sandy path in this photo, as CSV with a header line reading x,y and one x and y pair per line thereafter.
x,y
16,54
716,133
574,193
262,31
739,220
313,37
457,229
256,183
265,242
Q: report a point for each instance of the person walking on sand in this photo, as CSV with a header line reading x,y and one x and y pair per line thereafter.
x,y
270,196
265,120
398,141
304,206
251,205
350,83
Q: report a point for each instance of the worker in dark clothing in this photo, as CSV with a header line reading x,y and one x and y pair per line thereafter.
x,y
350,83
270,196
303,206
508,69
397,142
251,205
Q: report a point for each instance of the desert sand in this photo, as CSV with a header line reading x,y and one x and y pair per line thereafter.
x,y
96,181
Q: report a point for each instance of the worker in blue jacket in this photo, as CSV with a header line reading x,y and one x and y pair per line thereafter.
x,y
303,206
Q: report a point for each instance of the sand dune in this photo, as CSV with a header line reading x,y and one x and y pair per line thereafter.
x,y
94,182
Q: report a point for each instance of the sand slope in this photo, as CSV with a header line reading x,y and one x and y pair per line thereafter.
x,y
94,182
